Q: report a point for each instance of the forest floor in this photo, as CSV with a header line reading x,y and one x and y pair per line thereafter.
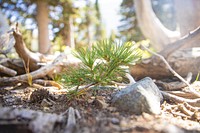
x,y
96,112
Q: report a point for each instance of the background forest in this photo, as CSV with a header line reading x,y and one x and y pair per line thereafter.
x,y
74,23
99,66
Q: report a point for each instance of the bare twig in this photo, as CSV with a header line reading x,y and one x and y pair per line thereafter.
x,y
177,99
183,94
55,67
191,108
174,72
183,109
131,79
24,78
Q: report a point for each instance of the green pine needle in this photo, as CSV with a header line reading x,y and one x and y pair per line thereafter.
x,y
102,63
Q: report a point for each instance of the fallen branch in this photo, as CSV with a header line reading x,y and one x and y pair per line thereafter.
x,y
177,99
183,109
7,71
183,94
182,55
174,72
174,86
191,108
55,67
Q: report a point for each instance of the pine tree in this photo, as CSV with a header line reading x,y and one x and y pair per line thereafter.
x,y
129,29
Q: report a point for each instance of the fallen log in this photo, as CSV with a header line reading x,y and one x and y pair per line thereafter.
x,y
182,56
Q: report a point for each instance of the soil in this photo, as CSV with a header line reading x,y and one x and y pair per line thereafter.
x,y
97,115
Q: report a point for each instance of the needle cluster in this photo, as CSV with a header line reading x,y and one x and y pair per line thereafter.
x,y
104,62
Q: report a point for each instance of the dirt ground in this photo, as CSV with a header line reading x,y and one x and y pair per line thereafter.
x,y
96,112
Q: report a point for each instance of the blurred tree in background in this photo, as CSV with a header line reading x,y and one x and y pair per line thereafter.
x,y
129,29
100,29
68,22
63,14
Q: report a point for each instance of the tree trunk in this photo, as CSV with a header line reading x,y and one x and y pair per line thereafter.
x,y
151,26
42,21
187,14
70,33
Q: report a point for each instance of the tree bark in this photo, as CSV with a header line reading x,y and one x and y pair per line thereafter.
x,y
151,26
70,33
42,21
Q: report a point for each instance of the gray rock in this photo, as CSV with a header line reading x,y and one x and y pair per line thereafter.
x,y
143,96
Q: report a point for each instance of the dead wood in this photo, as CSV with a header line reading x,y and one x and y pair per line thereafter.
x,y
183,109
50,69
177,99
31,59
34,121
180,56
32,62
42,72
7,71
191,89
171,86
188,41
183,94
17,65
14,64
151,27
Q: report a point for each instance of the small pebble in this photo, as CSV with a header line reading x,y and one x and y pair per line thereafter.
x,y
115,121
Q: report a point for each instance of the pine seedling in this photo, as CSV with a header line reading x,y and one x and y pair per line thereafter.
x,y
102,64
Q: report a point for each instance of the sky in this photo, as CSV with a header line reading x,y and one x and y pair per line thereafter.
x,y
110,14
